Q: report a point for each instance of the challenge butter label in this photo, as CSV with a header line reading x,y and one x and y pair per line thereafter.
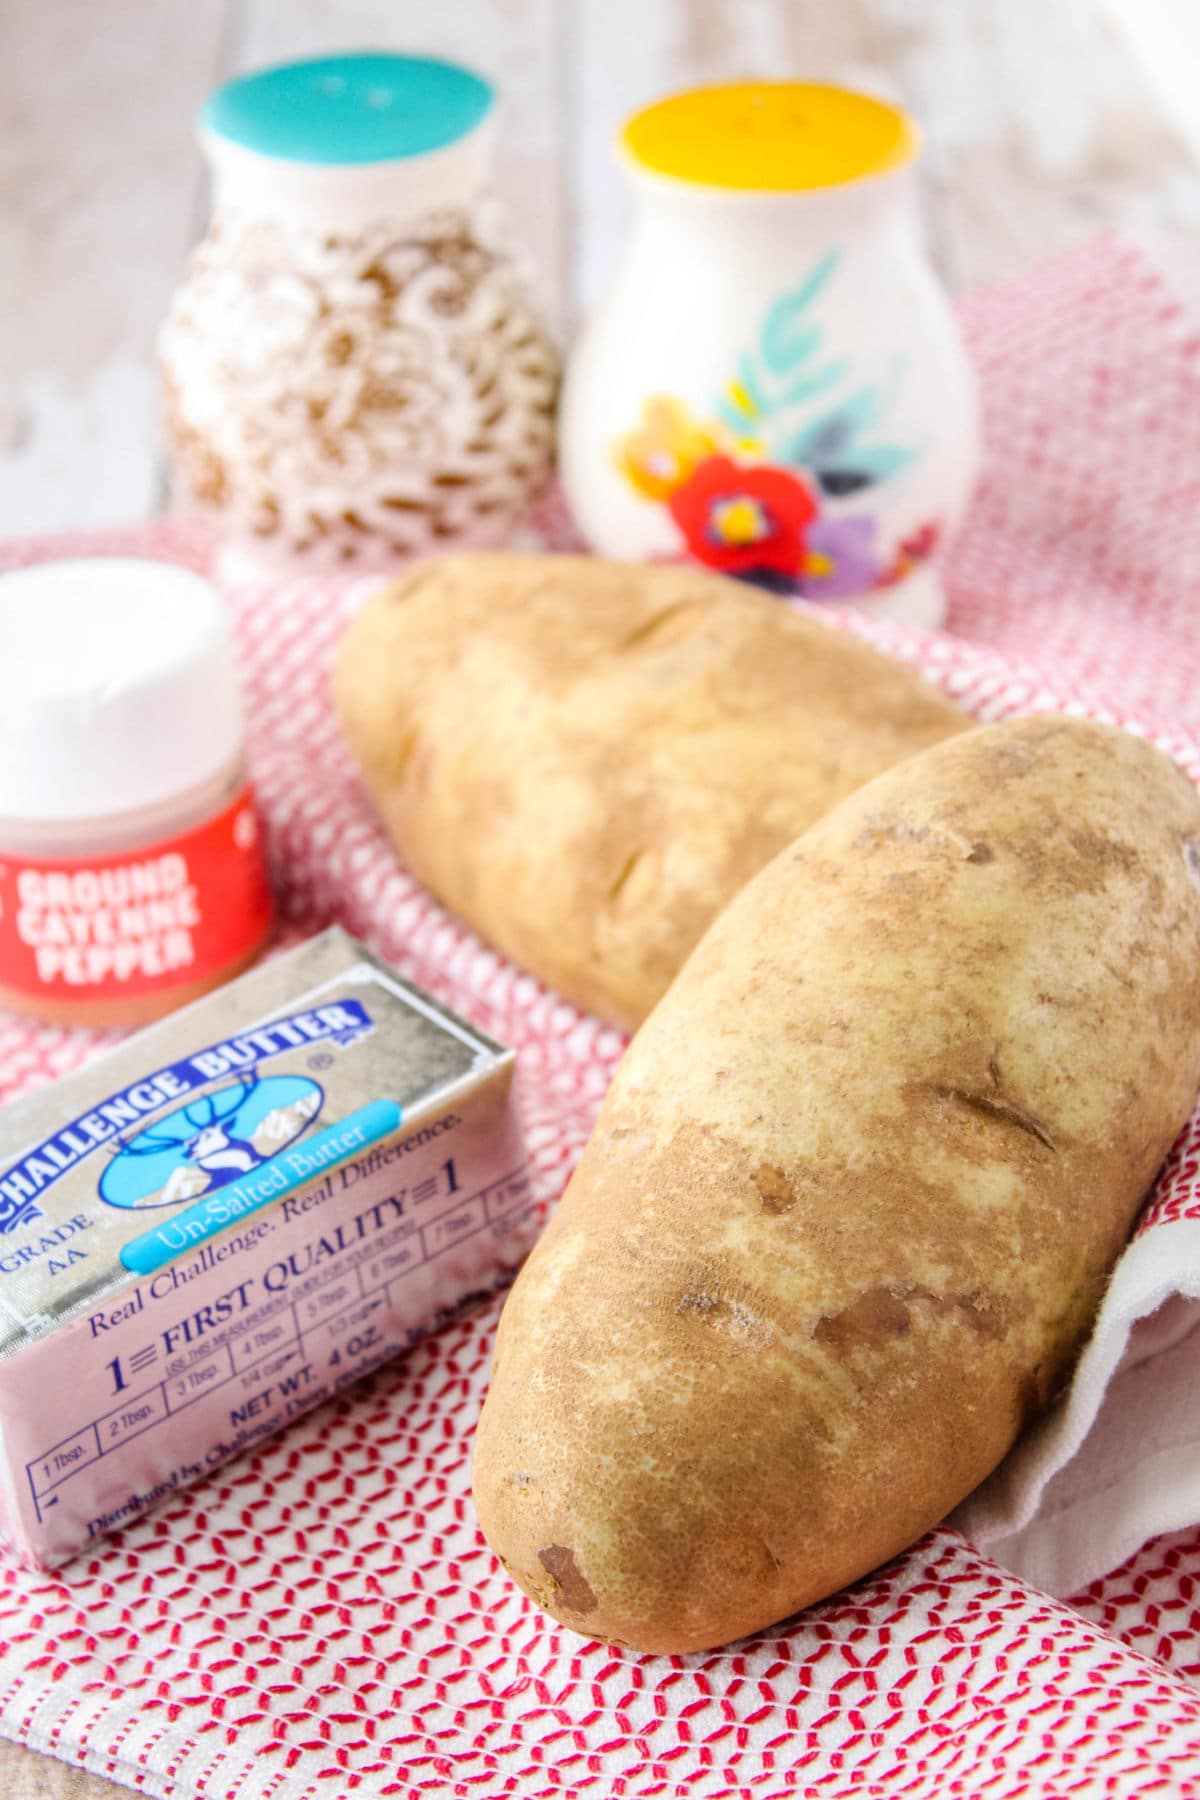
x,y
229,1218
198,1145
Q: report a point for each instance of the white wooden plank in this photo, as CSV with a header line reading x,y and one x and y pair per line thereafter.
x,y
97,186
1046,129
515,43
26,1775
1165,35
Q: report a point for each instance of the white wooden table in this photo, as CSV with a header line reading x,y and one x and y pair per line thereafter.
x,y
1041,129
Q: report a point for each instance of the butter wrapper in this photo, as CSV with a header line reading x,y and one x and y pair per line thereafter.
x,y
229,1218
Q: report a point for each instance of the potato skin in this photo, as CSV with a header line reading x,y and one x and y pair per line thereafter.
x,y
586,759
852,1200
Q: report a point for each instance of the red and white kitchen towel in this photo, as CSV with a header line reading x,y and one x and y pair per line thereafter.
x,y
322,1616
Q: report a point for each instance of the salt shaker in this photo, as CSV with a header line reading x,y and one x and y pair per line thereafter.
x,y
352,368
775,384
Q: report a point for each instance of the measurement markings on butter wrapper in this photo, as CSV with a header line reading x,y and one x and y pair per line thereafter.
x,y
319,1326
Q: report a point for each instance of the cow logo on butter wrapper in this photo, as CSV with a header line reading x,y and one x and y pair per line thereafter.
x,y
211,1141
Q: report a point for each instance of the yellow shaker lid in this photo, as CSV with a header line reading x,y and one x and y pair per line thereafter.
x,y
769,136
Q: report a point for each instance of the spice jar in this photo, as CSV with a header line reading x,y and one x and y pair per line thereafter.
x,y
775,384
131,876
352,367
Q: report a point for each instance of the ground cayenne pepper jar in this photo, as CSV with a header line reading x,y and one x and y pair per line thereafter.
x,y
131,876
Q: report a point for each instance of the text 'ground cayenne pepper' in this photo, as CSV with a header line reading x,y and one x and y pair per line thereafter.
x,y
83,926
131,876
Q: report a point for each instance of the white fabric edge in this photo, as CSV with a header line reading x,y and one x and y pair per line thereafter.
x,y
1002,1516
1062,1553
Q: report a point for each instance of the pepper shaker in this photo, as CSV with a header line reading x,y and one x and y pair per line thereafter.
x,y
353,369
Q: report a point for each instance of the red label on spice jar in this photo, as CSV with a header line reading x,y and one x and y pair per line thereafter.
x,y
144,921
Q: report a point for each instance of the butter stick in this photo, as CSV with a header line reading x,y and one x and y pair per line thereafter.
x,y
231,1217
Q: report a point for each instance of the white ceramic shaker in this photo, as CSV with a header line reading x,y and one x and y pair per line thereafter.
x,y
775,384
352,367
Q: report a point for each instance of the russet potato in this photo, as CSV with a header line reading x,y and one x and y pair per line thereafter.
x,y
586,760
853,1198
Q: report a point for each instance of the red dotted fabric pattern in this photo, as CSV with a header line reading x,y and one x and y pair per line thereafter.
x,y
322,1618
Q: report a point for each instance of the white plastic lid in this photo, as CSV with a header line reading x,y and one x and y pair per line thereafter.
x,y
117,687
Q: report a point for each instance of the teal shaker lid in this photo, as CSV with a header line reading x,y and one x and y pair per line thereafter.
x,y
362,108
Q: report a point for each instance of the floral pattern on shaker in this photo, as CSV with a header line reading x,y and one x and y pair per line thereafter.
x,y
739,517
842,559
757,489
382,391
661,455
